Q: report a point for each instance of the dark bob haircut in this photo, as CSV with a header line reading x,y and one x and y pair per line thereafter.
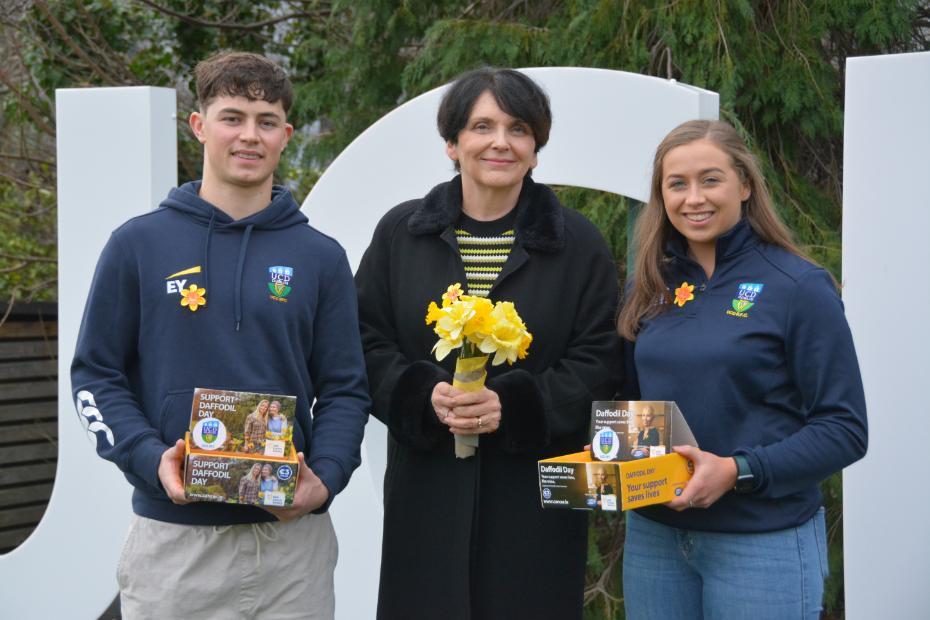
x,y
242,74
515,93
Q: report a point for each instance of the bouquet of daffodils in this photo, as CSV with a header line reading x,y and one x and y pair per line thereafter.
x,y
479,328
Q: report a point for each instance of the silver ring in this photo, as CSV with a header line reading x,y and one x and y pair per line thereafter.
x,y
480,423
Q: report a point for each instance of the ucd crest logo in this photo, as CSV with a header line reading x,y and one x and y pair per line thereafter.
x,y
209,434
607,444
210,430
746,296
280,285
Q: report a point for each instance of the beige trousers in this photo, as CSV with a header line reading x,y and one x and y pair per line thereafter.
x,y
264,571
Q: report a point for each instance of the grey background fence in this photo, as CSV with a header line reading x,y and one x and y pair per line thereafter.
x,y
28,418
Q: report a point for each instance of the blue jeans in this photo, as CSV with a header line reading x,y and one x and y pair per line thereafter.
x,y
671,573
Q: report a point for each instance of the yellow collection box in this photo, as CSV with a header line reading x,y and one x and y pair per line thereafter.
x,y
630,464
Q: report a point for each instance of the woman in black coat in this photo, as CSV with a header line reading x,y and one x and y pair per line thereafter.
x,y
467,538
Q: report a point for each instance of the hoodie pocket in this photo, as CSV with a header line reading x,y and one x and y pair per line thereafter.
x,y
175,414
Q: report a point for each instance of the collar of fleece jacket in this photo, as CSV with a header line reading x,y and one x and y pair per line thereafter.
x,y
540,223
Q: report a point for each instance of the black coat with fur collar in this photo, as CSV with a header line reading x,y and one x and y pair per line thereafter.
x,y
467,538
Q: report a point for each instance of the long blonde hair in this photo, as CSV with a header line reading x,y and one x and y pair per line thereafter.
x,y
258,410
653,228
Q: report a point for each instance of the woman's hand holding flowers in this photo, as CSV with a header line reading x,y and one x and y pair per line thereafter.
x,y
467,413
443,400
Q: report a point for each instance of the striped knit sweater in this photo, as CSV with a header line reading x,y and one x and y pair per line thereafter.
x,y
484,248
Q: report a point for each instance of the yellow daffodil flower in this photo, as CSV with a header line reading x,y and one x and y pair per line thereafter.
x,y
507,337
480,322
433,313
450,328
492,328
452,295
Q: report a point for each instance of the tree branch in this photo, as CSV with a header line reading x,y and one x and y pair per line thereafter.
x,y
25,158
14,267
21,182
204,23
9,308
74,46
38,288
32,259
30,110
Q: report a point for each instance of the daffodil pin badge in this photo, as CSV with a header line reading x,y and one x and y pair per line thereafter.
x,y
193,297
684,294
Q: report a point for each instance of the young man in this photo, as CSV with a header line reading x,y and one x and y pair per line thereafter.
x,y
224,286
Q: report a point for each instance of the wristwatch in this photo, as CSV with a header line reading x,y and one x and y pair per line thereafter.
x,y
745,481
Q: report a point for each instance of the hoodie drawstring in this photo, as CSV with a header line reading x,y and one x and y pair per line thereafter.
x,y
206,252
282,213
260,530
239,267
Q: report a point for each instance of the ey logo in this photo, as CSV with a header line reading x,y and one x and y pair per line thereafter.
x,y
175,284
191,298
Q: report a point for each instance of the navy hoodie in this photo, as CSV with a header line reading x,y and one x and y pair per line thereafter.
x,y
140,352
761,363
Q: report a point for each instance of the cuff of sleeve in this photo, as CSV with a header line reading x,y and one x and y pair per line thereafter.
x,y
755,465
330,473
146,457
523,421
411,419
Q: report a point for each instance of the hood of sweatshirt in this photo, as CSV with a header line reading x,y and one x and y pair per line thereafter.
x,y
282,212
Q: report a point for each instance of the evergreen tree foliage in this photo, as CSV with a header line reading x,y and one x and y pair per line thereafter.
x,y
778,65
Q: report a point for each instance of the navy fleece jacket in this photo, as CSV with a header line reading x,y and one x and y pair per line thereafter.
x,y
761,363
140,353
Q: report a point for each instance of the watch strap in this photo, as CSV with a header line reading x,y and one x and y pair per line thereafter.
x,y
745,481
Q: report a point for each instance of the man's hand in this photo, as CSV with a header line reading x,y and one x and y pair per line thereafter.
x,y
169,472
310,494
713,476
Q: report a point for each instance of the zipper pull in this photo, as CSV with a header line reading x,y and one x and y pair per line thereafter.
x,y
703,286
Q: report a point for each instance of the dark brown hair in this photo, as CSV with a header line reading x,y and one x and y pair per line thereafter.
x,y
242,74
653,228
515,93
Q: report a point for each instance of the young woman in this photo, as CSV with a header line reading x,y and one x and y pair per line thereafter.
x,y
726,317
250,485
467,538
253,431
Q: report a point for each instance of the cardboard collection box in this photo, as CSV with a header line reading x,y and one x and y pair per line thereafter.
x,y
630,464
629,430
239,448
